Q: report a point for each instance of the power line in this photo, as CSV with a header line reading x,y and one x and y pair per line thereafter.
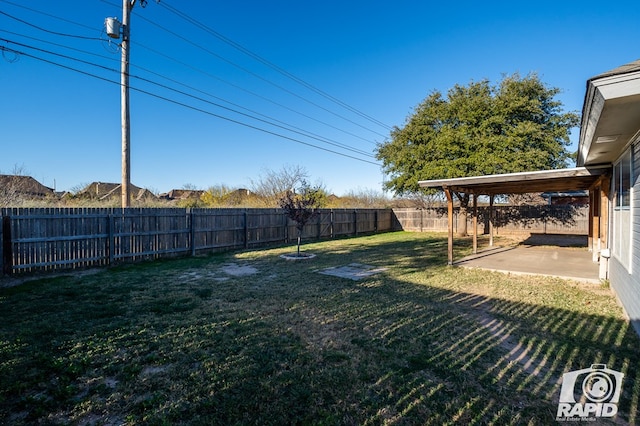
x,y
257,95
282,125
290,126
64,46
49,31
173,101
296,111
286,126
280,87
48,15
271,65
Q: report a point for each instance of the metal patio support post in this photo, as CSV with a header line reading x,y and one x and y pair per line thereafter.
x,y
447,192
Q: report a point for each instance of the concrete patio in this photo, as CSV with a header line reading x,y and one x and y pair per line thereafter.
x,y
532,258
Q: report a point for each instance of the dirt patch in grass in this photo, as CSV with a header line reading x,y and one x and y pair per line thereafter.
x,y
353,271
239,270
218,273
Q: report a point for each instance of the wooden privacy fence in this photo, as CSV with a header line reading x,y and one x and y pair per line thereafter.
x,y
508,220
48,239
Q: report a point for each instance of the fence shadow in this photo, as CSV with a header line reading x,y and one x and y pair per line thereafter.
x,y
559,240
531,215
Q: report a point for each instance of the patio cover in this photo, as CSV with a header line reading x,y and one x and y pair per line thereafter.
x,y
578,178
575,179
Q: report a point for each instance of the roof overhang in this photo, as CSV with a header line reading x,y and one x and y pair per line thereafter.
x,y
574,179
610,115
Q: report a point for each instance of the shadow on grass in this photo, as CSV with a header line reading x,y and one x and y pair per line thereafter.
x,y
176,342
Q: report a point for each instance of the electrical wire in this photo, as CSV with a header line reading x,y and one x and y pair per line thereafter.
x,y
49,31
285,126
271,65
257,95
48,15
291,76
280,87
264,61
282,125
330,141
64,46
173,101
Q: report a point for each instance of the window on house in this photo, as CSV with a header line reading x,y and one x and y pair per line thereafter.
x,y
621,237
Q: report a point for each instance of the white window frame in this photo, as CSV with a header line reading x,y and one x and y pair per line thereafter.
x,y
622,217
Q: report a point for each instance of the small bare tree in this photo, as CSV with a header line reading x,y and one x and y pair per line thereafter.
x,y
271,184
13,188
301,206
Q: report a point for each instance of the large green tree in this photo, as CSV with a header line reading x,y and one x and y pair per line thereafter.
x,y
479,129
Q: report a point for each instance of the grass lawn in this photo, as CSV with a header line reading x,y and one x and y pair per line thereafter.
x,y
250,338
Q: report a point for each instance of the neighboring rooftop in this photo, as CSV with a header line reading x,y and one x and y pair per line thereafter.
x,y
24,185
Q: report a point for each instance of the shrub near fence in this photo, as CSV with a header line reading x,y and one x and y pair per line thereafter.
x,y
50,239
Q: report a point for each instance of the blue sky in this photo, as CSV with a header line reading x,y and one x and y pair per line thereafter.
x,y
380,59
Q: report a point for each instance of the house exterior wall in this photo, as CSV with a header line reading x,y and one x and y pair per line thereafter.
x,y
627,285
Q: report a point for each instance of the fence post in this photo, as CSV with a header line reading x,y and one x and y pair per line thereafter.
x,y
286,228
246,229
7,246
331,219
192,231
375,221
319,225
110,243
1,246
355,222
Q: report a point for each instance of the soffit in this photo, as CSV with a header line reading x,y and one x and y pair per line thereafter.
x,y
611,115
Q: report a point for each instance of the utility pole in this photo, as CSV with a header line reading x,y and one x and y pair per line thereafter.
x,y
127,6
115,29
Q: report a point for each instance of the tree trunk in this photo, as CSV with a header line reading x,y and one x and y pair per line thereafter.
x,y
299,238
462,217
